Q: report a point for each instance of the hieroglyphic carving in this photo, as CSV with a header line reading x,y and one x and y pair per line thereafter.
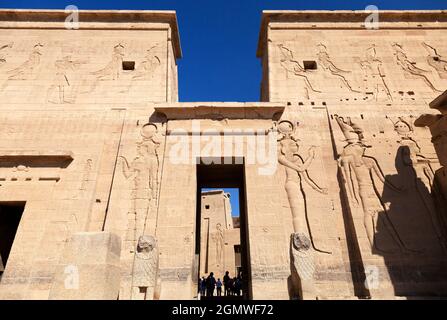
x,y
410,66
27,68
374,75
144,172
327,64
145,269
3,48
435,60
293,67
358,170
86,176
412,158
63,89
113,68
296,173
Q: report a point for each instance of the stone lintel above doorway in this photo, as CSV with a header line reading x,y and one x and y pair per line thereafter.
x,y
221,110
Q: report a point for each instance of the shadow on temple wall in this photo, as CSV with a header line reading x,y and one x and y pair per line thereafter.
x,y
408,234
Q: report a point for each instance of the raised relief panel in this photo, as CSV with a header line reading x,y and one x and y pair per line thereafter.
x,y
27,70
436,61
64,86
143,172
374,75
410,68
386,66
387,174
330,68
437,123
293,68
145,278
302,244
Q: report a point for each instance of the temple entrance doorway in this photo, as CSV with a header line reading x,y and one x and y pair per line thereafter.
x,y
222,229
10,215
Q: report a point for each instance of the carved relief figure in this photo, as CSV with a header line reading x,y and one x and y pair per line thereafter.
x,y
410,66
3,49
145,269
146,69
27,68
438,128
144,172
113,68
63,90
327,64
435,60
420,170
296,173
218,238
293,67
374,74
359,170
148,65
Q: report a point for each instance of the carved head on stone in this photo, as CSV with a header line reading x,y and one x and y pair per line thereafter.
x,y
300,242
403,127
286,129
146,244
148,131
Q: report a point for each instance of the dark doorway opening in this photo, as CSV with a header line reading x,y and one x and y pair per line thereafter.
x,y
215,178
10,215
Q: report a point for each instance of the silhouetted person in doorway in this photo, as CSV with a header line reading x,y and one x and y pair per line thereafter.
x,y
210,285
237,286
219,287
203,287
226,283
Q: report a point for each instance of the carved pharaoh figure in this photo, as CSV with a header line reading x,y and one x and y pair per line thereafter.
x,y
374,75
218,238
420,169
410,66
358,170
63,89
145,269
293,67
435,60
327,64
144,172
296,173
438,128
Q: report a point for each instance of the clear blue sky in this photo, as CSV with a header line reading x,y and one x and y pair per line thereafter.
x,y
212,31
